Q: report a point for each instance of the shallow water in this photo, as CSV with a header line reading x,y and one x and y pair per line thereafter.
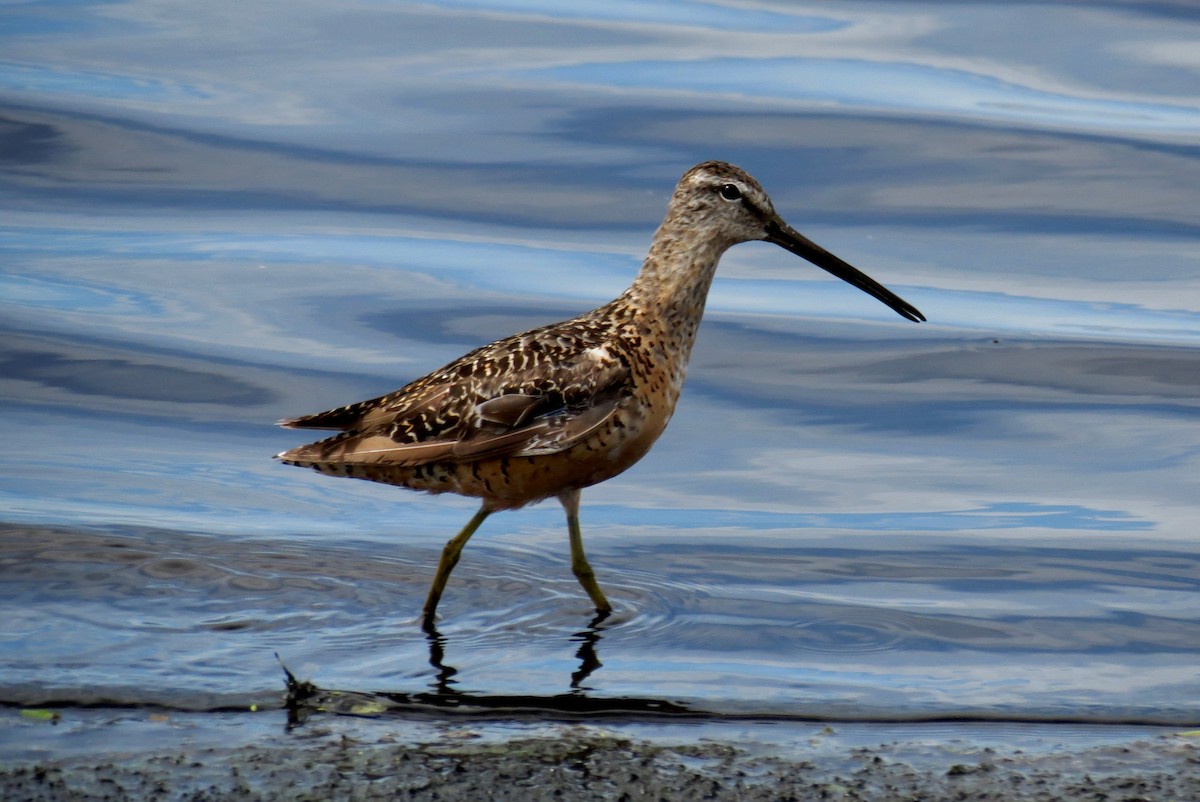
x,y
990,514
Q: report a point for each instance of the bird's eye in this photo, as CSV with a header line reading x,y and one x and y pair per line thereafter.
x,y
730,192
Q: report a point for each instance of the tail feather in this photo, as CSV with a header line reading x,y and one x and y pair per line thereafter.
x,y
340,419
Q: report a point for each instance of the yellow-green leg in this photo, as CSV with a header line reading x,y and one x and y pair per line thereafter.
x,y
579,562
450,555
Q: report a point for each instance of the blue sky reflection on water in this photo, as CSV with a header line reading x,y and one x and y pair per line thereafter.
x,y
893,87
849,514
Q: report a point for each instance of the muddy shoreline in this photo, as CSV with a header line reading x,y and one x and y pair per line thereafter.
x,y
99,754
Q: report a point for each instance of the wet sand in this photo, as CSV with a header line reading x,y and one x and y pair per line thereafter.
x,y
128,755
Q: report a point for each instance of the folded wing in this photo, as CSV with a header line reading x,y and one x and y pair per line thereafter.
x,y
539,395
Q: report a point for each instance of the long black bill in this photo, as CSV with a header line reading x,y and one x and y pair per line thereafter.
x,y
792,240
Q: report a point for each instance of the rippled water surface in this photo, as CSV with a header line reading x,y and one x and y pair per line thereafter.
x,y
225,214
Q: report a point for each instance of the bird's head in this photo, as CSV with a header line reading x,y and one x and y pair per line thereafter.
x,y
729,206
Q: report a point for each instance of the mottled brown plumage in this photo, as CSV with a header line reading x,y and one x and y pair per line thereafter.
x,y
565,406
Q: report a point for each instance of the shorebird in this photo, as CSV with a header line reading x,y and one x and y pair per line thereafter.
x,y
565,406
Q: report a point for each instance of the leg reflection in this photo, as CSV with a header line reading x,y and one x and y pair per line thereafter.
x,y
443,683
589,661
444,676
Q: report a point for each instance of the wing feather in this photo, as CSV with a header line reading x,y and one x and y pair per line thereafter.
x,y
529,395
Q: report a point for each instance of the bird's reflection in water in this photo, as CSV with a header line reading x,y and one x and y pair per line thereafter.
x,y
444,673
305,698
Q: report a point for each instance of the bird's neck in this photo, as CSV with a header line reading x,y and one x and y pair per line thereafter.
x,y
666,300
